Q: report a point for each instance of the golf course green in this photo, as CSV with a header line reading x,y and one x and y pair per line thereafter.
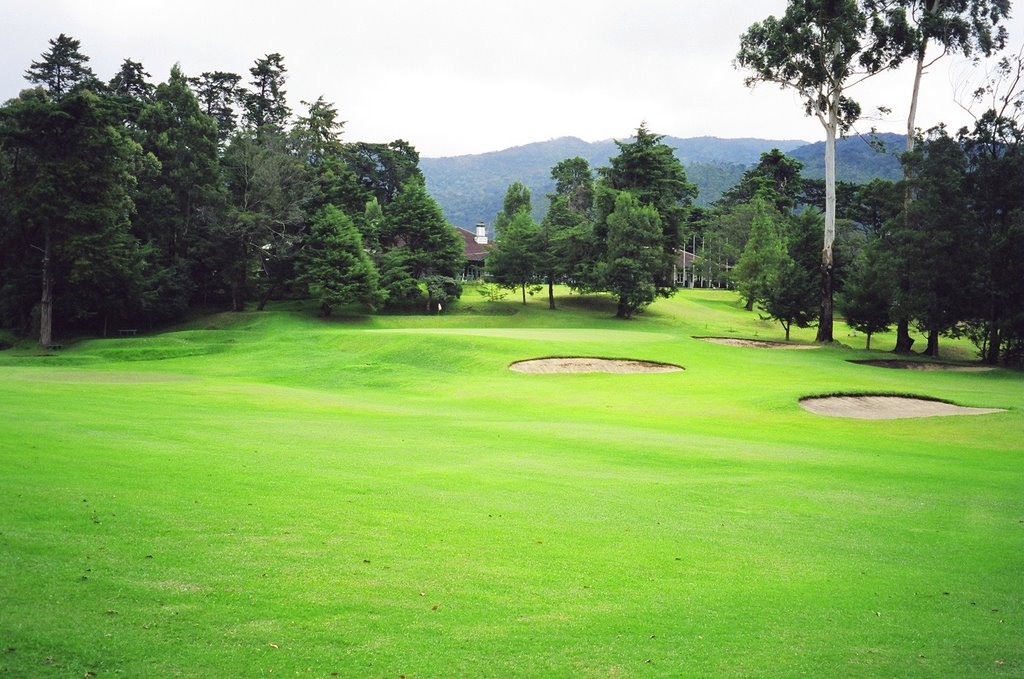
x,y
276,494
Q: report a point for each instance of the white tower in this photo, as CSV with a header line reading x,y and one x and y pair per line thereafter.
x,y
481,233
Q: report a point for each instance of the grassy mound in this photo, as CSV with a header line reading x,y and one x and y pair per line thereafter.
x,y
381,496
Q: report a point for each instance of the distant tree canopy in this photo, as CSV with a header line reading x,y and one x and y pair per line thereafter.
x,y
620,234
776,178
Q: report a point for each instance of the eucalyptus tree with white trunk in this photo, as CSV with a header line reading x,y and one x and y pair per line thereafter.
x,y
938,28
820,49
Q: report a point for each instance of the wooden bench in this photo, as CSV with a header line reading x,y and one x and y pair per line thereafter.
x,y
127,332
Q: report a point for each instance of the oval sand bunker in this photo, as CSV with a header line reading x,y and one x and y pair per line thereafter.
x,y
886,407
583,364
756,344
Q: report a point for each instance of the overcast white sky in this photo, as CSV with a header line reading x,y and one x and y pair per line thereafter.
x,y
468,76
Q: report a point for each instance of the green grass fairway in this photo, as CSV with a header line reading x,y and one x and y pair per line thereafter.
x,y
271,494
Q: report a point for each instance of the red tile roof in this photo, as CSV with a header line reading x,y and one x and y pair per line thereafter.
x,y
475,252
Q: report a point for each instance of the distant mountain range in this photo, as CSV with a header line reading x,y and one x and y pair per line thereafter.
x,y
471,188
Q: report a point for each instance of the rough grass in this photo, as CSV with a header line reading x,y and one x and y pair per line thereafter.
x,y
259,494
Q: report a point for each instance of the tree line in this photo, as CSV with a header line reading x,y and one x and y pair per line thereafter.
x,y
619,233
951,261
948,262
128,204
940,249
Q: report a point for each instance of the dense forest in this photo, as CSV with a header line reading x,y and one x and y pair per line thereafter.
x,y
125,204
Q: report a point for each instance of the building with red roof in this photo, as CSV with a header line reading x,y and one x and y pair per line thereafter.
x,y
476,249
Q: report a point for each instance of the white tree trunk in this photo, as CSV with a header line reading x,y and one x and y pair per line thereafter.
x,y
918,73
831,128
914,94
903,339
830,178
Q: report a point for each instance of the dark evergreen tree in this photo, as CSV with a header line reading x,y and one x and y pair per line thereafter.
x,y
869,291
959,26
62,69
371,225
563,240
517,199
776,178
270,194
514,261
131,89
874,205
635,238
649,170
764,253
935,247
574,181
383,169
402,290
316,138
266,107
995,153
792,297
180,202
419,244
560,240
69,193
219,95
721,235
130,82
334,266
318,133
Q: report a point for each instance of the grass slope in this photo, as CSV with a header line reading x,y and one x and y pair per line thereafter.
x,y
267,494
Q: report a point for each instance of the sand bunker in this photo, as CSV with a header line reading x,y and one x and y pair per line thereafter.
x,y
756,344
582,364
886,407
922,365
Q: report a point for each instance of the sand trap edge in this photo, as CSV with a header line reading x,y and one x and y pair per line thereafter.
x,y
555,365
874,406
755,343
923,366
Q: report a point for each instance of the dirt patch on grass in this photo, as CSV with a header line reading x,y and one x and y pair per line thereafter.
x,y
922,365
756,344
874,407
585,364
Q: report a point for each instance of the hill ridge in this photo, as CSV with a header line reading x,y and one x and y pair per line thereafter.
x,y
470,187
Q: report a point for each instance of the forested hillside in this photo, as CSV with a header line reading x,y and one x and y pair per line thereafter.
x,y
470,188
859,159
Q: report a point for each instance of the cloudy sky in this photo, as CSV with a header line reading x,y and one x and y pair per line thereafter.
x,y
468,76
